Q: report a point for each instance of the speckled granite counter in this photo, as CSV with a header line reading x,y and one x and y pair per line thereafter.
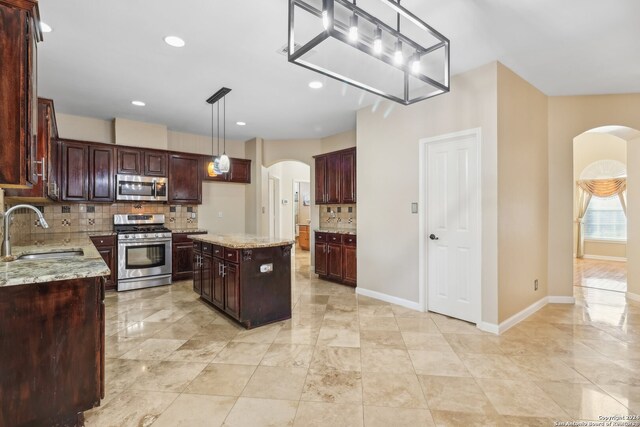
x,y
350,231
21,272
242,241
188,230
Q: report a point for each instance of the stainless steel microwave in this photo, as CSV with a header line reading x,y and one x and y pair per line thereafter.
x,y
141,188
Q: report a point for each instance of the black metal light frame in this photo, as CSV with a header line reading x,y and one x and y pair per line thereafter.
x,y
295,54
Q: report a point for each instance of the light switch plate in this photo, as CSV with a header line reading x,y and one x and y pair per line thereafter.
x,y
414,207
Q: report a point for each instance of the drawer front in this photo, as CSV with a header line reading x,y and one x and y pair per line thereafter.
x,y
321,237
334,238
104,240
218,251
207,248
197,246
349,240
232,255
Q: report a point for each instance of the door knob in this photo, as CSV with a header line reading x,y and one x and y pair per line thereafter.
x,y
434,237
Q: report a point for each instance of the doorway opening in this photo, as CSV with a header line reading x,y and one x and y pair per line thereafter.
x,y
290,207
600,209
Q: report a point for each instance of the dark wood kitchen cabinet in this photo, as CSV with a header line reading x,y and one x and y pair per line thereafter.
x,y
335,257
252,286
19,35
182,256
185,184
52,338
47,186
132,161
335,177
239,171
74,169
107,247
101,173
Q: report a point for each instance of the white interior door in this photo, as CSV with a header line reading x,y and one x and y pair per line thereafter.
x,y
453,227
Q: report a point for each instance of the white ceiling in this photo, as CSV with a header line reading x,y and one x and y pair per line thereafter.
x,y
104,53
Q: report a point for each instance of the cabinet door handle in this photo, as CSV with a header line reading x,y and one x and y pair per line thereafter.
x,y
328,249
229,255
43,164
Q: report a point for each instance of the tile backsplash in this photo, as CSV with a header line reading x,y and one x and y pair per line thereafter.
x,y
338,216
75,217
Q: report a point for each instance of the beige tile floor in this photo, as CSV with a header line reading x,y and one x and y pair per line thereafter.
x,y
344,360
606,275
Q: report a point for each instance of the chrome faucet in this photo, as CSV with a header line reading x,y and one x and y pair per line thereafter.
x,y
6,243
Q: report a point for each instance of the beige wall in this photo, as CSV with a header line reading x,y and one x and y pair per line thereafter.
x,y
253,192
587,149
522,193
388,170
633,217
569,116
140,134
339,141
85,128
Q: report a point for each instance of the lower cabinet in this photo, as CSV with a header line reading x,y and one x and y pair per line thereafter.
x,y
336,257
252,286
182,256
106,246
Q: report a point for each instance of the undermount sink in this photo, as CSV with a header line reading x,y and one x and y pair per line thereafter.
x,y
52,255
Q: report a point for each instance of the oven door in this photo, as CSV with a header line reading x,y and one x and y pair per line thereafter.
x,y
143,258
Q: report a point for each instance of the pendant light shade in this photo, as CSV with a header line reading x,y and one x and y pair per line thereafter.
x,y
225,164
212,170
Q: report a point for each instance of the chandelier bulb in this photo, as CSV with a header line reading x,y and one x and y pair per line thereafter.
x,y
353,28
398,58
377,41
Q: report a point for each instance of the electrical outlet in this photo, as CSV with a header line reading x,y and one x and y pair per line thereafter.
x,y
535,285
219,214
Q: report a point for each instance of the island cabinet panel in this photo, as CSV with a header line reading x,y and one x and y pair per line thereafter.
x,y
206,265
19,35
52,352
184,179
252,285
75,171
101,174
197,270
336,257
182,256
335,175
107,247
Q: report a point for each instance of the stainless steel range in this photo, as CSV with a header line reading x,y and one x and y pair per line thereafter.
x,y
144,251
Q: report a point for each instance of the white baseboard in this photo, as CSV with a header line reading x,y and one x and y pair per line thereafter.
x,y
388,298
605,258
633,297
492,328
561,300
521,315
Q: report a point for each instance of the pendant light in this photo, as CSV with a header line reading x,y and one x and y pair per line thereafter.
x,y
215,166
353,26
398,58
225,164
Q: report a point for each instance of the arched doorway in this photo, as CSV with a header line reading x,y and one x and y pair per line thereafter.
x,y
601,218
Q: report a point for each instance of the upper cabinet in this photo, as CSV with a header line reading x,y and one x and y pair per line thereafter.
x,y
74,168
239,171
47,167
19,35
132,161
185,181
101,173
336,177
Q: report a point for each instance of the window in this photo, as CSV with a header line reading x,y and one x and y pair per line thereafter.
x,y
605,219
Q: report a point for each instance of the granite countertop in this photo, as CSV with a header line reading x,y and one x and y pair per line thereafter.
x,y
350,231
188,230
23,272
242,241
95,233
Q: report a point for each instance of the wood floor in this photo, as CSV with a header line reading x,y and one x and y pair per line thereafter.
x,y
606,275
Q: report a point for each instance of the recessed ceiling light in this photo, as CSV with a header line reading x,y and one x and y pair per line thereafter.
x,y
315,85
174,41
45,28
241,123
138,103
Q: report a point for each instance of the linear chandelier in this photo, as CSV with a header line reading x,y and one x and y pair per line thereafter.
x,y
402,59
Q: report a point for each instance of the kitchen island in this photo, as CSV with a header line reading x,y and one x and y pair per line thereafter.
x,y
52,325
244,276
